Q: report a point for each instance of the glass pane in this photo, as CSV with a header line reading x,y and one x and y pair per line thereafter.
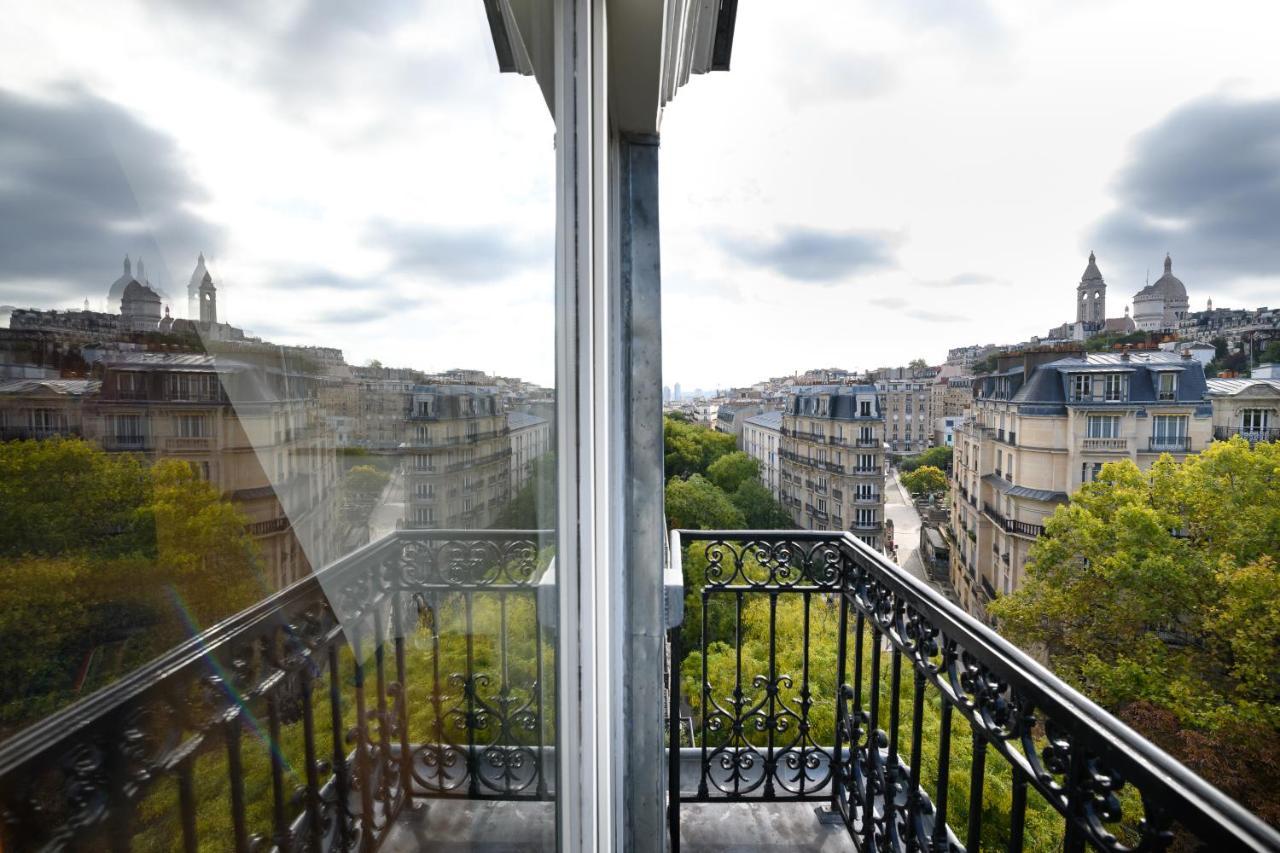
x,y
277,482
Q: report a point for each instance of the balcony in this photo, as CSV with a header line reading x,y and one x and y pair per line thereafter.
x,y
127,442
1105,445
1008,525
1169,444
184,444
345,712
1253,436
909,663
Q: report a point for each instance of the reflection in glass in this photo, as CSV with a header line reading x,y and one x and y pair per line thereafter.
x,y
275,569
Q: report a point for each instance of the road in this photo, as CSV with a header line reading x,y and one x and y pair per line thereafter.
x,y
389,510
906,525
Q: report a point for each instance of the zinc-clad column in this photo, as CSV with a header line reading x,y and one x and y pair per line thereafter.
x,y
639,441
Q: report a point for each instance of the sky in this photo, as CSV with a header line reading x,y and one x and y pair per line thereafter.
x,y
869,184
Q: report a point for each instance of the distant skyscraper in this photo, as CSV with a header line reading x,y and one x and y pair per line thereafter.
x,y
677,392
666,393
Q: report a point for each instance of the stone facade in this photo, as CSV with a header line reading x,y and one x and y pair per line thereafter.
x,y
831,469
1043,425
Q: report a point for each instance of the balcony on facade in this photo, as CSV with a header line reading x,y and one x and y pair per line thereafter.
x,y
1169,444
1106,445
1253,436
163,755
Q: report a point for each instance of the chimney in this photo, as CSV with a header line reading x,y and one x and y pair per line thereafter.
x,y
1186,353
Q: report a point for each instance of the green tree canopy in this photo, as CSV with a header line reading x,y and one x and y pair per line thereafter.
x,y
925,481
365,482
732,470
759,507
130,557
1160,590
697,504
692,448
938,457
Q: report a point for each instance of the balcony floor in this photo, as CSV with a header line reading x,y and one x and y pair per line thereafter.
x,y
507,827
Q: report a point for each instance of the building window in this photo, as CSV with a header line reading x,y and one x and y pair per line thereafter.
x,y
191,426
128,429
1089,471
1254,420
1169,430
864,409
1167,385
1114,388
1104,426
1080,386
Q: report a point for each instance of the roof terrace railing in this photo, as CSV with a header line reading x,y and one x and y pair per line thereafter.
x,y
922,698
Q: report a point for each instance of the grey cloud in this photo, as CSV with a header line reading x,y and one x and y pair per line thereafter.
x,y
934,316
815,255
82,182
968,279
1203,184
840,76
344,315
459,255
888,302
317,52
972,18
323,279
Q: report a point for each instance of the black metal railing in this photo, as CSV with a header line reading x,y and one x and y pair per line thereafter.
x,y
1253,436
917,685
414,668
1175,443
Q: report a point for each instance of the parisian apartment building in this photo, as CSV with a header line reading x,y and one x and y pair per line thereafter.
x,y
251,430
458,453
761,439
1043,424
831,469
908,405
530,437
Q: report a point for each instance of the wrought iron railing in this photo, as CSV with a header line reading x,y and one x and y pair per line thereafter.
x,y
1175,443
416,667
1253,436
922,698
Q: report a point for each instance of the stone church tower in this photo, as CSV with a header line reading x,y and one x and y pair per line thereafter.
x,y
1091,297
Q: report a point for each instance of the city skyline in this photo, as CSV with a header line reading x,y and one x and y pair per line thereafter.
x,y
899,185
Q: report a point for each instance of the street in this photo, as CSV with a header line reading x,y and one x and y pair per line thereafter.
x,y
906,525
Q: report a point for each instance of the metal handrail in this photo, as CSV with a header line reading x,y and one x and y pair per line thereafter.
x,y
1005,695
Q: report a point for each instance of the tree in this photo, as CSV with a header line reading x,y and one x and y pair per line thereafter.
x,y
1158,591
697,504
759,507
131,558
925,480
732,470
938,457
918,364
364,483
690,448
1270,355
534,506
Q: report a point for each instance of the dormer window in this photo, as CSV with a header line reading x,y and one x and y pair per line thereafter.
x,y
1167,386
1080,386
1114,387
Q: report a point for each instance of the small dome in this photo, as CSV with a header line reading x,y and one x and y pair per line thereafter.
x,y
198,275
1168,285
1091,272
116,292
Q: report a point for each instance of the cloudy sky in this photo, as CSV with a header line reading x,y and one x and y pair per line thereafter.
x,y
870,183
